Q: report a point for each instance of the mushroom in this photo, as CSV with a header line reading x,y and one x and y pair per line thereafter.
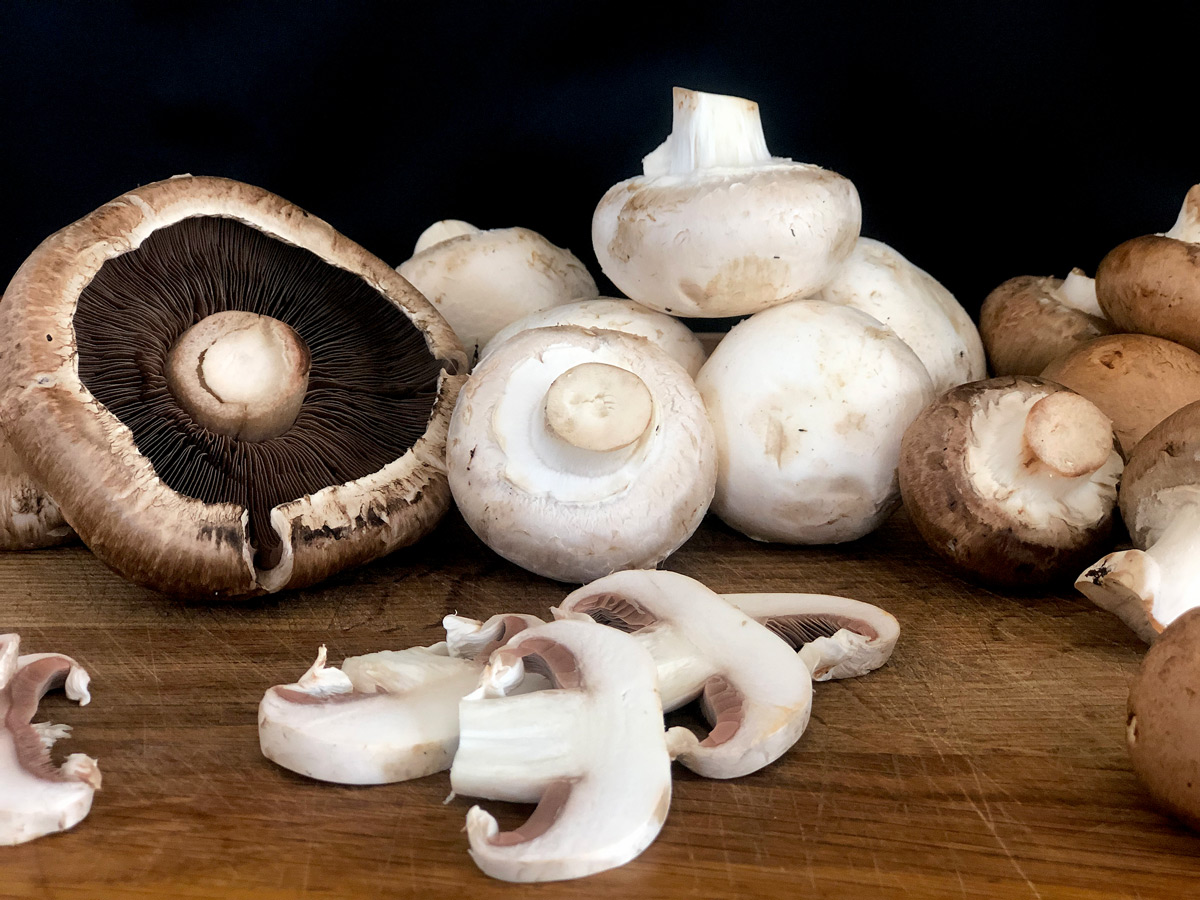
x,y
836,637
755,691
591,752
1150,586
809,401
483,280
716,226
203,485
1013,480
1136,380
1151,284
670,335
1030,320
29,517
883,284
1163,725
36,796
576,453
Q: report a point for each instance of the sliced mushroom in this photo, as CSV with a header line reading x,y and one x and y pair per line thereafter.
x,y
883,284
575,453
591,752
36,796
755,691
383,717
1013,480
472,639
112,423
715,225
836,637
669,334
1155,583
483,280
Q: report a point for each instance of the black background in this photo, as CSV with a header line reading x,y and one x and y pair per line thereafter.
x,y
986,140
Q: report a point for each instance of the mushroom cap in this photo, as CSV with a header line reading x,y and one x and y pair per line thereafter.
x,y
809,401
1163,472
1137,380
879,281
113,490
960,480
1163,725
575,516
483,280
1025,325
671,335
728,241
1151,284
29,517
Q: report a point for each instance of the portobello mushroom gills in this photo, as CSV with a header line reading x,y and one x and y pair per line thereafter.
x,y
360,410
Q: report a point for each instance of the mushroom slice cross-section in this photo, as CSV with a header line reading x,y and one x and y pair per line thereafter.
x,y
382,717
36,796
224,395
755,691
591,751
835,636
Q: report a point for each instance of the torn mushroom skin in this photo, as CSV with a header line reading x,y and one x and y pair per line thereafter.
x,y
591,752
755,691
716,225
482,280
1013,480
154,352
36,796
1153,584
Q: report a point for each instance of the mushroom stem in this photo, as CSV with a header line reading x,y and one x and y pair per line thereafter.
x,y
595,406
1078,291
1066,435
709,131
240,374
1150,589
1187,226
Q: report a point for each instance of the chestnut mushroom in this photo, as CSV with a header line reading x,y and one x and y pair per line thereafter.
x,y
29,517
224,395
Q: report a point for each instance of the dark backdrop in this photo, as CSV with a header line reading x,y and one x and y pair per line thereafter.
x,y
986,140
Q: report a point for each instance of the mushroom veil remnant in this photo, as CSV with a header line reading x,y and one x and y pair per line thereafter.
x,y
223,394
716,225
36,796
29,517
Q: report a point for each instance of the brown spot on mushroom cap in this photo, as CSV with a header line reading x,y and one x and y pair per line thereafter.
x,y
1164,719
1151,285
1024,326
1137,380
1166,458
980,540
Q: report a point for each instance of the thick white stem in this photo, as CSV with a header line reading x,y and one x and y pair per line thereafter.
x,y
1187,226
709,131
1078,291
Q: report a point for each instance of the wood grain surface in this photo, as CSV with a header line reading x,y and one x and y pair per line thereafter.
x,y
986,760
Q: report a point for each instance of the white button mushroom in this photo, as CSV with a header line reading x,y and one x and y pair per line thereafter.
x,y
882,283
481,281
576,453
809,401
716,226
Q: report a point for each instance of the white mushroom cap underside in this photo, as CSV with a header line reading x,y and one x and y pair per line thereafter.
x,y
809,401
882,283
571,515
1031,496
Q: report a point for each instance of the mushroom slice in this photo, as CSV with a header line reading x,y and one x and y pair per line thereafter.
x,y
1155,583
574,453
1151,284
29,517
223,394
472,639
36,796
837,637
483,280
591,752
383,717
755,691
1012,480
715,225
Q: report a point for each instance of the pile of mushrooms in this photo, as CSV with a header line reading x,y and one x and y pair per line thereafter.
x,y
569,714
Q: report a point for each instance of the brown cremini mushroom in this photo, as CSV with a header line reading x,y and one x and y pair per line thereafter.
x,y
163,427
29,517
